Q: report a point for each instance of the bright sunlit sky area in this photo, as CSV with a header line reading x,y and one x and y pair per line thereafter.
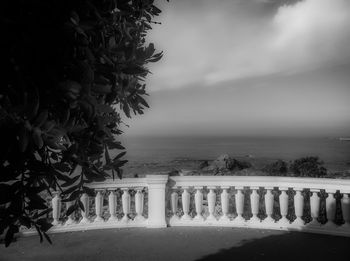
x,y
249,67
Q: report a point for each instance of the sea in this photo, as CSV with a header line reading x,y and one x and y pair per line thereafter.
x,y
160,154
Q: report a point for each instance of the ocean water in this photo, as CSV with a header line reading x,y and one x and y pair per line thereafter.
x,y
147,154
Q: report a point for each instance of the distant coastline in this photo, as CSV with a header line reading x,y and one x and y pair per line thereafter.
x,y
152,154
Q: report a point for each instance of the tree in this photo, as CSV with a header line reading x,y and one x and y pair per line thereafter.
x,y
71,69
308,167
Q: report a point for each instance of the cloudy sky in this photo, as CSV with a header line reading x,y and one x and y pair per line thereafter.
x,y
250,67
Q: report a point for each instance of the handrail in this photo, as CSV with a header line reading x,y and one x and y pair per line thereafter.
x,y
263,181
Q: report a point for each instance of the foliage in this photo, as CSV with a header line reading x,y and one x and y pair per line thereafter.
x,y
277,168
234,164
71,70
308,167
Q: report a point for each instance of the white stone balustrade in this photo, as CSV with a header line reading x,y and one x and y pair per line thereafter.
x,y
239,199
283,201
56,208
225,200
254,204
269,199
174,202
298,207
211,197
152,212
199,204
185,198
314,206
330,207
98,206
112,206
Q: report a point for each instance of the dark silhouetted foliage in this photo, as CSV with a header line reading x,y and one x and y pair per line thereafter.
x,y
308,167
277,168
71,68
234,164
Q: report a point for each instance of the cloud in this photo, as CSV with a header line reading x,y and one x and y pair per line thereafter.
x,y
213,42
312,33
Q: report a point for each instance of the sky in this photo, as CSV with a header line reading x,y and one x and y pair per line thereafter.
x,y
249,67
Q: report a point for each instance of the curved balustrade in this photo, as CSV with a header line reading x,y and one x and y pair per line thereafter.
x,y
304,204
233,193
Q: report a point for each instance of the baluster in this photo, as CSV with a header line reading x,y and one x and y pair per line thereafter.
x,y
198,200
254,203
112,206
85,213
224,204
98,206
239,199
283,200
298,207
56,208
345,205
330,208
126,204
70,219
314,206
186,204
139,200
269,199
174,204
211,204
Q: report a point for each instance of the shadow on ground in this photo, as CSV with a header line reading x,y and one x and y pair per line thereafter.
x,y
289,246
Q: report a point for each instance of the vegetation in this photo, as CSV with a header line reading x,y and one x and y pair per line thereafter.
x,y
71,70
302,167
234,164
308,167
277,168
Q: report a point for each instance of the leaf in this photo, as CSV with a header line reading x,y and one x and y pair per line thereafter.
x,y
9,234
142,101
44,224
70,210
37,138
126,110
42,213
47,238
73,196
119,155
70,190
107,157
71,182
81,205
39,232
114,145
156,57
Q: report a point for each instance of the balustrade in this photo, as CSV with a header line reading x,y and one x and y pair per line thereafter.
x,y
254,203
199,204
131,192
269,200
239,199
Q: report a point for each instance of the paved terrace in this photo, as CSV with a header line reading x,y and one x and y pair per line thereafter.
x,y
177,243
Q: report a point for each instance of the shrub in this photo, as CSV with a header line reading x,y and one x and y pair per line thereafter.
x,y
276,168
308,167
234,164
